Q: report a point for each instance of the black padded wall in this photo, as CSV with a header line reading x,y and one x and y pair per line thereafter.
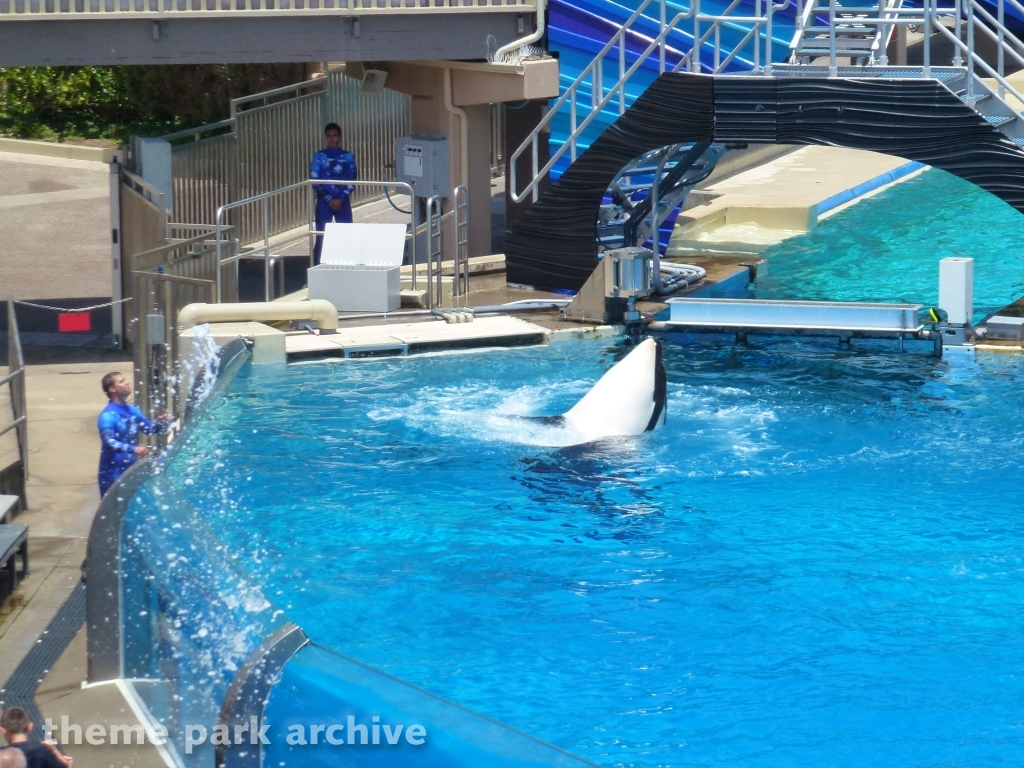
x,y
554,244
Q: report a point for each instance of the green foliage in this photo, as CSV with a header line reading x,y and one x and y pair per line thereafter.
x,y
115,102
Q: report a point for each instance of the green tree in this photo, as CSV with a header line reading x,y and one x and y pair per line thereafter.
x,y
115,102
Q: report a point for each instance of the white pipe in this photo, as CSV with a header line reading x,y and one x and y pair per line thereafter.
x,y
312,309
533,37
463,128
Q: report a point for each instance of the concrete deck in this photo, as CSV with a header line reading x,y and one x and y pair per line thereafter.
x,y
55,226
63,402
750,211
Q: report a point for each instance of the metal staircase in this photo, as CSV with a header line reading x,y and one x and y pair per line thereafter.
x,y
962,113
854,36
848,28
648,189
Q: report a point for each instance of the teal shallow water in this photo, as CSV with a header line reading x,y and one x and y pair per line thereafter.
x,y
887,247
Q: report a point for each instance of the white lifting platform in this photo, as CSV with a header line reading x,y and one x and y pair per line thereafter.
x,y
809,318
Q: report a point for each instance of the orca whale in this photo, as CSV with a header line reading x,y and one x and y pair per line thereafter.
x,y
628,400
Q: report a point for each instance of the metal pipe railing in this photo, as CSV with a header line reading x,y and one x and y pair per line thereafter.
x,y
435,250
265,198
15,381
978,61
593,74
461,287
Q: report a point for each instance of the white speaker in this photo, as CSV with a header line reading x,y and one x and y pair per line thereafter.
x,y
373,82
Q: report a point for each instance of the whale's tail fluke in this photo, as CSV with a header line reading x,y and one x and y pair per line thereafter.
x,y
628,400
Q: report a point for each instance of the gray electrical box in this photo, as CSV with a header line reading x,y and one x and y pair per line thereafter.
x,y
151,159
421,161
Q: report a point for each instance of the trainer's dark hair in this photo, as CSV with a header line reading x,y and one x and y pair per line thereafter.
x,y
15,720
108,381
332,127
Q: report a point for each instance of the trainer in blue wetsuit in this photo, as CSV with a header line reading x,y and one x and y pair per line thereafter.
x,y
333,201
119,425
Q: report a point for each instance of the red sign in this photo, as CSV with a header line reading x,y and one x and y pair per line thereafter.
x,y
70,322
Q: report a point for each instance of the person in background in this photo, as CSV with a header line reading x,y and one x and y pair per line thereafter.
x,y
333,201
119,426
12,757
16,727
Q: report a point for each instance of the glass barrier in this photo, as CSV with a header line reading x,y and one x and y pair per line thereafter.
x,y
333,712
190,619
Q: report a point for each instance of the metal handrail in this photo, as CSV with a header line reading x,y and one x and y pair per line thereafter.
x,y
858,15
296,88
15,380
144,188
974,59
168,9
264,198
461,197
196,133
594,70
435,250
593,74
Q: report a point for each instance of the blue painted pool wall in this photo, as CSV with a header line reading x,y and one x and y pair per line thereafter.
x,y
320,687
868,186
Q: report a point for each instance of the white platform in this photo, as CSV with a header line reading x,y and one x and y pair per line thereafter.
x,y
403,338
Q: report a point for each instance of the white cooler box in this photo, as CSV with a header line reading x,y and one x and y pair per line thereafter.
x,y
359,267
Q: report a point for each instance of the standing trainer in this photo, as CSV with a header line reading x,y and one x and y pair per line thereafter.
x,y
333,201
119,426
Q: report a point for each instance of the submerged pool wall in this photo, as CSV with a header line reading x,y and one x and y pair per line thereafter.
x,y
201,646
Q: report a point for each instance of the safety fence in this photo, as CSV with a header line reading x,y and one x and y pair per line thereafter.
x,y
268,142
14,476
86,9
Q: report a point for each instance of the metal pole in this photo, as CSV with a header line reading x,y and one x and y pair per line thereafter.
x,y
695,50
536,170
461,240
1002,46
757,35
116,282
833,70
927,69
572,133
655,234
662,35
622,73
768,39
958,60
970,55
266,249
883,34
220,213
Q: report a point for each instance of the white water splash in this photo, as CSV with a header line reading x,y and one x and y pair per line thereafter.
x,y
198,373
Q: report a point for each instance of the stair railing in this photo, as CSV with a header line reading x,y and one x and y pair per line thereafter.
x,y
974,60
1006,40
803,20
705,28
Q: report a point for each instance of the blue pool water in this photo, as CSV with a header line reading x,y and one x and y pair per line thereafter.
x,y
816,562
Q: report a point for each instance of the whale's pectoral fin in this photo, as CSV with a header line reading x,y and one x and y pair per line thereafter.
x,y
629,399
660,392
